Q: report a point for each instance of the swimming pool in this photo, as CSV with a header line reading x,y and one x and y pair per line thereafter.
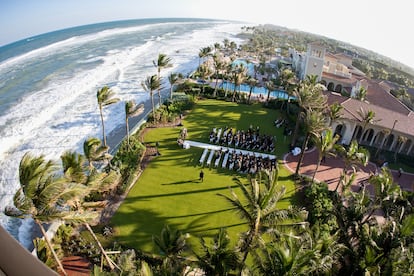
x,y
280,94
248,65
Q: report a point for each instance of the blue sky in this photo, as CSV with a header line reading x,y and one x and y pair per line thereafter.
x,y
382,26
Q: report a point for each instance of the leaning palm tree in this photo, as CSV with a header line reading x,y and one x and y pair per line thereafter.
x,y
105,97
150,85
163,61
43,196
325,143
76,171
74,166
131,110
94,151
261,211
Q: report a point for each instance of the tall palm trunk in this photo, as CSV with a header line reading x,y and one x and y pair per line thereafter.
x,y
103,125
127,132
49,244
234,93
317,168
215,87
153,105
251,236
250,94
295,132
108,260
302,153
159,89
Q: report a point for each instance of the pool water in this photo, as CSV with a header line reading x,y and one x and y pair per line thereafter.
x,y
280,94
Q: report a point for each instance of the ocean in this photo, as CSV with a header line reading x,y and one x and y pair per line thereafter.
x,y
48,86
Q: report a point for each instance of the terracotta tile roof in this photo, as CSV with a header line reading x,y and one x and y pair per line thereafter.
x,y
377,95
385,116
338,78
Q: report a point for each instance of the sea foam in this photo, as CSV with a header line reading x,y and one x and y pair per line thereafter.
x,y
58,112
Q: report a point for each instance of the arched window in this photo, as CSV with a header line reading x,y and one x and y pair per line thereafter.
x,y
390,140
323,82
368,135
339,129
330,86
406,147
338,88
357,133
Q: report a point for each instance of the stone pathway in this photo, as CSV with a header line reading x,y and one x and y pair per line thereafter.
x,y
330,170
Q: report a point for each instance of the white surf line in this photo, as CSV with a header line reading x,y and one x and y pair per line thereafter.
x,y
215,147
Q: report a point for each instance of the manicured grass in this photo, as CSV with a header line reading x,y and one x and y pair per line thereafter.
x,y
169,192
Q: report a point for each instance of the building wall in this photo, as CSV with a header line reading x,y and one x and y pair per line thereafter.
x,y
314,61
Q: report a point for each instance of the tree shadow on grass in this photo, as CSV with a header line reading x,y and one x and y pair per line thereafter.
x,y
183,182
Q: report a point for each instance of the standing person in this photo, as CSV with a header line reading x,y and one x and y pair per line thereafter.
x,y
201,176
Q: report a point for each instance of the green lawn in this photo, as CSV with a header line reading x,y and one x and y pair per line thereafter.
x,y
168,191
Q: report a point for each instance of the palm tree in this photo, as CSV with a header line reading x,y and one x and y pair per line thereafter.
x,y
204,52
270,87
361,93
173,79
151,84
131,110
162,62
105,97
75,171
315,124
94,151
261,211
325,143
334,112
171,243
366,118
74,166
251,82
309,97
218,258
205,72
218,64
43,196
353,156
239,73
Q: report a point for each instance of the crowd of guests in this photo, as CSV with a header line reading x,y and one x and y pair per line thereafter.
x,y
249,163
248,140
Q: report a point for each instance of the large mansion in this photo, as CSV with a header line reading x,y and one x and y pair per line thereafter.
x,y
393,129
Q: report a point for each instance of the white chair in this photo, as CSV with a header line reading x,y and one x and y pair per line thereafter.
x,y
216,163
226,157
203,156
210,157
